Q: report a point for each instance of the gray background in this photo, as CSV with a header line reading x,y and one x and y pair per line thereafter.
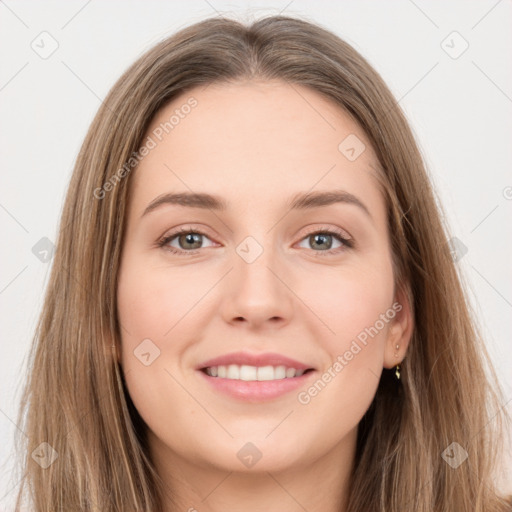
x,y
459,105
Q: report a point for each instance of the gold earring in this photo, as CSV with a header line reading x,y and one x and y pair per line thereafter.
x,y
397,368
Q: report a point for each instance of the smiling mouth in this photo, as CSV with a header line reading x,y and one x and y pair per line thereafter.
x,y
249,373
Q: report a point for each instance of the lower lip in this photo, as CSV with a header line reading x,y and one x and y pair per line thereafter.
x,y
256,390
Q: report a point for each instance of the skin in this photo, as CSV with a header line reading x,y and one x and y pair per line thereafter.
x,y
256,144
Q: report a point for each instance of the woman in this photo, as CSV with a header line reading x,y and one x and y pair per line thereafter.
x,y
256,370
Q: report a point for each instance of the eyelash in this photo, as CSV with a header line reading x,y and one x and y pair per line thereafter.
x,y
347,243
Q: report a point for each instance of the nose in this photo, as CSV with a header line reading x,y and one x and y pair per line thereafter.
x,y
257,293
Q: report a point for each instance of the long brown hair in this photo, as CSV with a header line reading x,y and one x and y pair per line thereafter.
x,y
75,398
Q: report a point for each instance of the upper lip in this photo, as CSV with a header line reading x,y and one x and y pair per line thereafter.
x,y
246,358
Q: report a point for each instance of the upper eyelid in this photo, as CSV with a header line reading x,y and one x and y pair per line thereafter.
x,y
201,231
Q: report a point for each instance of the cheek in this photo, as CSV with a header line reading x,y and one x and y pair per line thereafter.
x,y
152,310
153,303
357,308
350,302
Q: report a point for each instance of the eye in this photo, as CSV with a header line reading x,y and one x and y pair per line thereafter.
x,y
323,239
185,238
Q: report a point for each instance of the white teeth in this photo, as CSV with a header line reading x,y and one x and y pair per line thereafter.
x,y
266,373
233,372
248,372
290,372
253,373
279,372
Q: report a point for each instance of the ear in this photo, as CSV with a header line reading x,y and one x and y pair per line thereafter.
x,y
400,329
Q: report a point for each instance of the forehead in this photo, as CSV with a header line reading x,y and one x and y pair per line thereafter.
x,y
260,142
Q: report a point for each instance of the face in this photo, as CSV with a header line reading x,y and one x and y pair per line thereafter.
x,y
259,276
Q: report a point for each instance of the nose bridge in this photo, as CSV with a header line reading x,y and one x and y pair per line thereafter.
x,y
258,292
256,258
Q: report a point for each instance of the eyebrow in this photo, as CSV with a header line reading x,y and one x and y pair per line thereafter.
x,y
300,201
